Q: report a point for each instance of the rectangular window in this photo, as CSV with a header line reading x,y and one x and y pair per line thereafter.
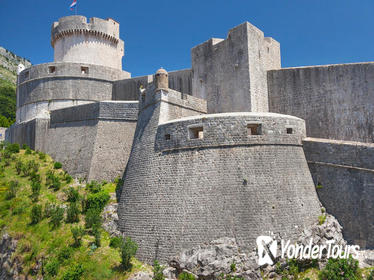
x,y
196,132
167,137
289,130
51,69
254,129
84,70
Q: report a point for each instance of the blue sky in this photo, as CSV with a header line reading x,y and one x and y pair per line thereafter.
x,y
161,33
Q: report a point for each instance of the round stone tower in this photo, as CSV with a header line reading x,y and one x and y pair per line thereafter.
x,y
94,42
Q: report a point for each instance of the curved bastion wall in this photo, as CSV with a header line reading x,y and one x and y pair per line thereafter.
x,y
195,179
95,42
46,87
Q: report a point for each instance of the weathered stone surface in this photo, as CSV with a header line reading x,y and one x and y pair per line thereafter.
x,y
345,170
9,268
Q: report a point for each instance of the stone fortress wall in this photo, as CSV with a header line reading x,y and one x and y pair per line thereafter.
x,y
192,179
83,110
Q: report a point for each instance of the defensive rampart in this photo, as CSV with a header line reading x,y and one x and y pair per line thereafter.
x,y
336,101
345,173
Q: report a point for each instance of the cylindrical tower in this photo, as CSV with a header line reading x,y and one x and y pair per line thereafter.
x,y
94,42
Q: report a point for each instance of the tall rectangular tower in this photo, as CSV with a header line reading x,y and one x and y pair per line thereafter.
x,y
231,74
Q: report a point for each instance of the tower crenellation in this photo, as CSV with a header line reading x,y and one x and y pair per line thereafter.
x,y
94,42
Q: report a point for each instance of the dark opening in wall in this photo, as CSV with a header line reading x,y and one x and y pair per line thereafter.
x,y
52,69
254,129
167,137
289,130
84,70
27,75
196,132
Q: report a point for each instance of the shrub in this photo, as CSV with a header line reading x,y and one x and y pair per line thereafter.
x,y
35,189
158,271
28,151
52,267
94,187
57,165
93,218
64,254
42,156
29,168
116,242
340,269
72,213
12,190
128,251
19,166
186,276
57,216
68,178
53,181
97,200
73,195
48,209
97,235
24,146
119,183
73,273
78,233
36,214
12,148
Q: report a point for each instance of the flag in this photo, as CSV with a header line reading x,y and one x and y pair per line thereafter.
x,y
72,6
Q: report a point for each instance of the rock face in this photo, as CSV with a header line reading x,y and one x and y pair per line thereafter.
x,y
9,268
208,261
110,218
10,61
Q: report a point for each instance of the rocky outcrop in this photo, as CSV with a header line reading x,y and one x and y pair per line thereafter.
x,y
110,218
9,267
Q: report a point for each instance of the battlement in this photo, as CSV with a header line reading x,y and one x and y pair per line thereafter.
x,y
230,129
95,42
105,28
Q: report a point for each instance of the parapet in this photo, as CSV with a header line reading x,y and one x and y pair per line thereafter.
x,y
95,42
108,29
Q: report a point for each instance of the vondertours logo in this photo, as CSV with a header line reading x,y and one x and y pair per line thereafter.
x,y
267,250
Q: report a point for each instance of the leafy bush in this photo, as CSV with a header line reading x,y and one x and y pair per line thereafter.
x,y
12,190
64,254
128,251
186,276
53,181
35,189
73,195
93,218
30,168
68,178
48,209
72,213
116,242
24,146
78,233
18,167
158,271
36,214
42,156
97,235
57,217
340,269
28,151
57,165
52,267
12,148
73,273
97,200
94,187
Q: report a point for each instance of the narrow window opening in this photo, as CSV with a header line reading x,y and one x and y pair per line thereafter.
x,y
84,70
289,130
196,132
167,137
52,69
254,129
27,74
